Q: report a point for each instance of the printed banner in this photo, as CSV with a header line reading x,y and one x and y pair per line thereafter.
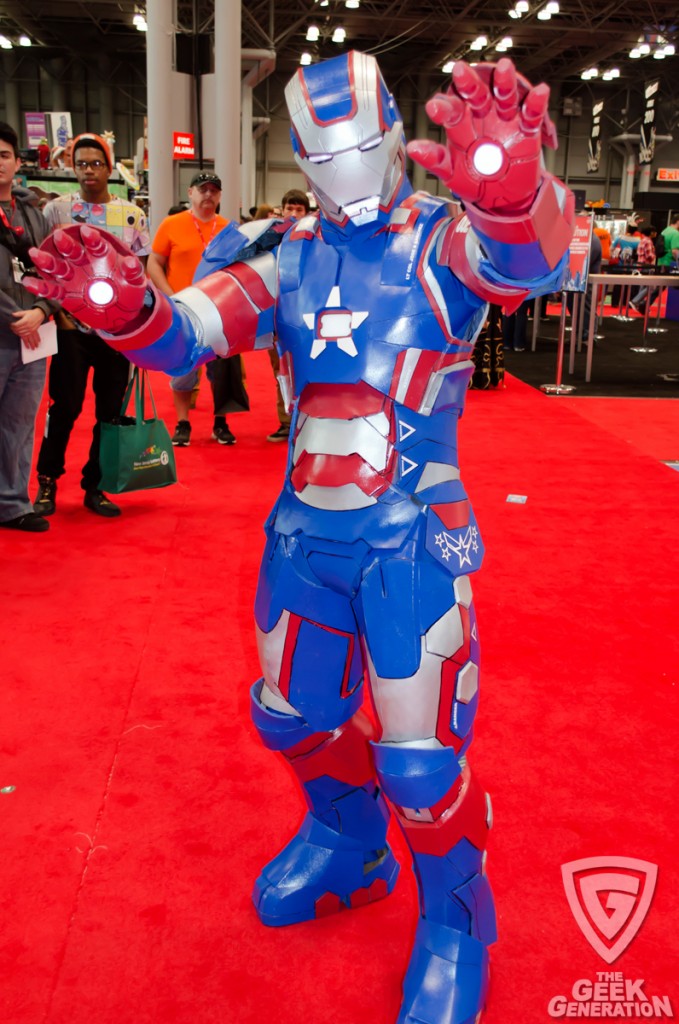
x,y
578,254
647,144
36,129
594,150
61,128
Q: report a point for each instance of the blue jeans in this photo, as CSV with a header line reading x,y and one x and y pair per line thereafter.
x,y
21,388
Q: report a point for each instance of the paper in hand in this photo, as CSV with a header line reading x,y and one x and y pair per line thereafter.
x,y
47,346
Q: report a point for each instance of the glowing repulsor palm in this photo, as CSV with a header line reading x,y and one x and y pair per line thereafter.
x,y
495,124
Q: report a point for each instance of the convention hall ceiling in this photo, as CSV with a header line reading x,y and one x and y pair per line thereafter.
x,y
412,38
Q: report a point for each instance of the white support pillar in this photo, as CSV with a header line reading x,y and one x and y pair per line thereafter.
x,y
247,178
259,64
228,104
644,178
645,169
627,145
159,51
629,169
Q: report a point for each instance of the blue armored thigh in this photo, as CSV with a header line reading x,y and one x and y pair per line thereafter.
x,y
307,638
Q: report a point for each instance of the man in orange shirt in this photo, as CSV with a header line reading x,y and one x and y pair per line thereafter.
x,y
176,251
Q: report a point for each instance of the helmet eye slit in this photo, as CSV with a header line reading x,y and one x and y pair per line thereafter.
x,y
371,143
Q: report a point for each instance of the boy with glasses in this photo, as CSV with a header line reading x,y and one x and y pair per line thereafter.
x,y
79,349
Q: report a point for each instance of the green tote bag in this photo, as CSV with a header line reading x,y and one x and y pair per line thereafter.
x,y
135,453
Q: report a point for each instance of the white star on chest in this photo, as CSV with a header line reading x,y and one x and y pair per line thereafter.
x,y
333,325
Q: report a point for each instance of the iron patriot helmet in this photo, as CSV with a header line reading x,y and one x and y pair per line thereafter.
x,y
347,135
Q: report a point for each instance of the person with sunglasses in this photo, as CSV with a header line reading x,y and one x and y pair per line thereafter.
x,y
79,349
177,249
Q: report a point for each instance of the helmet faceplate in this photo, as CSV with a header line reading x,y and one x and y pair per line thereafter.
x,y
347,136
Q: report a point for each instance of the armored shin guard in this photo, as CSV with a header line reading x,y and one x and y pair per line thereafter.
x,y
445,817
339,858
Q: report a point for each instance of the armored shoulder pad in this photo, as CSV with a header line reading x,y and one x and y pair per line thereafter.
x,y
240,242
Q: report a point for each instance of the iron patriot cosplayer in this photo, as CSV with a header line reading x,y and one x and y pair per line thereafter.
x,y
375,305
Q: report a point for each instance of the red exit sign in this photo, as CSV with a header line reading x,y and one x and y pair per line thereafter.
x,y
183,146
668,174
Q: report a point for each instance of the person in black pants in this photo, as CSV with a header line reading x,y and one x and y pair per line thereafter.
x,y
514,328
78,354
80,349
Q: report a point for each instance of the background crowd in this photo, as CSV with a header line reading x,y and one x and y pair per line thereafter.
x,y
32,329
29,326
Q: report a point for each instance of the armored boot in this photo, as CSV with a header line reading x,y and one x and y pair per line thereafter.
x,y
340,857
445,817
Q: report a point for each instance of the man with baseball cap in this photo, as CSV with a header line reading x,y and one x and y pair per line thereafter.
x,y
79,349
176,251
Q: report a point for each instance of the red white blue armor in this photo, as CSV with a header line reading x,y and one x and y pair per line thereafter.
x,y
375,306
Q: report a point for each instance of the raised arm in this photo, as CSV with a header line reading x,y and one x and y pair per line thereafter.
x,y
96,278
518,218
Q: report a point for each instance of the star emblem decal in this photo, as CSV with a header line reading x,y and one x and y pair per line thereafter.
x,y
460,545
333,325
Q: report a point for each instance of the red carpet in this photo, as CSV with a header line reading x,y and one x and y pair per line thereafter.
x,y
143,806
650,426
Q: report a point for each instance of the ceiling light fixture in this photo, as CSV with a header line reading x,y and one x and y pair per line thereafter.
x,y
339,35
652,42
478,43
305,59
25,41
5,43
504,44
448,67
353,4
312,33
548,10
